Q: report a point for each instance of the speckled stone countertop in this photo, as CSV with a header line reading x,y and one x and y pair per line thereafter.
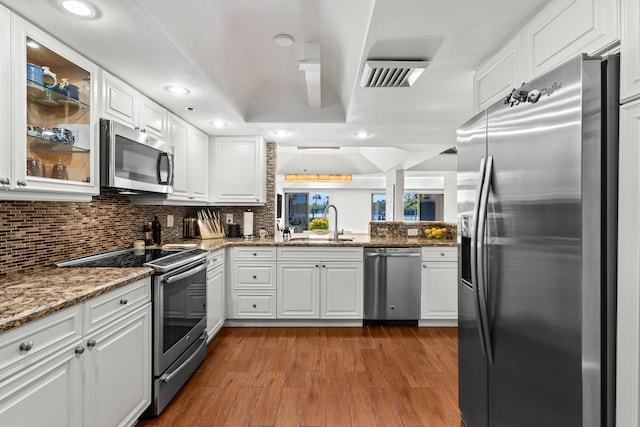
x,y
29,296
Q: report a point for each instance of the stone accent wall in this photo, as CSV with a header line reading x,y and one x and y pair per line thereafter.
x,y
398,229
35,234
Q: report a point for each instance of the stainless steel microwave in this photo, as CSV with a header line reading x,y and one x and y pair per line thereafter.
x,y
132,162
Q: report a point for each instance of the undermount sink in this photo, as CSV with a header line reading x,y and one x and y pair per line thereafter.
x,y
320,239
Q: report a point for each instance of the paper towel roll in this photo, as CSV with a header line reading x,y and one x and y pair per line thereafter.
x,y
248,224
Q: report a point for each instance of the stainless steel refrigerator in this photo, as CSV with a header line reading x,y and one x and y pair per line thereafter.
x,y
537,199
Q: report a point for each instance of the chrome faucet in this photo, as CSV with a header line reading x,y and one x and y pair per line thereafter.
x,y
324,216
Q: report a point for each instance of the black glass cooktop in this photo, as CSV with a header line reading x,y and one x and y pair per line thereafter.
x,y
158,259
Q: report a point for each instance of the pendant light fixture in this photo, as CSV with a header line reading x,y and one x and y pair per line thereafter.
x,y
318,177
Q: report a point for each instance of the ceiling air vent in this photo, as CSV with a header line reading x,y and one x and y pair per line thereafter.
x,y
391,73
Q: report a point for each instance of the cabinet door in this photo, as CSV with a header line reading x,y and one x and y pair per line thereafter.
x,y
55,132
215,300
341,288
239,171
179,139
5,101
48,393
439,290
567,28
119,100
198,165
629,51
118,371
153,118
298,291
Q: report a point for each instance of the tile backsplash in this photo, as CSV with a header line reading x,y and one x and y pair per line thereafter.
x,y
35,234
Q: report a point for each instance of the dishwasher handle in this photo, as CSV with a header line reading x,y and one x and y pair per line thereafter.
x,y
395,255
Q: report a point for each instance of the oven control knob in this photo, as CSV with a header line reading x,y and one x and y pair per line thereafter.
x,y
393,307
187,338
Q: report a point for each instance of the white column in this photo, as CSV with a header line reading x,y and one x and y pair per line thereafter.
x,y
395,195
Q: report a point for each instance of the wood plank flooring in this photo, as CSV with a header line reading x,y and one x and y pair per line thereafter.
x,y
370,376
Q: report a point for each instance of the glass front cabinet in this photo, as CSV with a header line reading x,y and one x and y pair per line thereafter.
x,y
55,135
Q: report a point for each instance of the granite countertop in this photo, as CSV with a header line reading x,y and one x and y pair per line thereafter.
x,y
29,296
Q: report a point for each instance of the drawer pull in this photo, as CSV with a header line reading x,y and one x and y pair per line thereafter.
x,y
91,343
26,346
123,301
79,349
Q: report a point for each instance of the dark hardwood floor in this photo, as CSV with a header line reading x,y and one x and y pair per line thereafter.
x,y
370,376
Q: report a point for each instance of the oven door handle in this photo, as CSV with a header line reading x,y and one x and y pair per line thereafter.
x,y
187,273
167,377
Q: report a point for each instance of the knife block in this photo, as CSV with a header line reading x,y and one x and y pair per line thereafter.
x,y
206,234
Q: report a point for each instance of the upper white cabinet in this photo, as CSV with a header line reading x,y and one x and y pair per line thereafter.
x,y
566,28
495,79
629,55
238,171
191,178
123,103
53,127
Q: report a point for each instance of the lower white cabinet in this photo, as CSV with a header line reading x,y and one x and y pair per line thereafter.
x,y
58,378
215,293
439,293
252,283
341,290
298,290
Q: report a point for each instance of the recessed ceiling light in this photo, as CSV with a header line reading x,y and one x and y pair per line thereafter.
x,y
33,44
363,134
78,8
281,133
284,40
177,90
219,123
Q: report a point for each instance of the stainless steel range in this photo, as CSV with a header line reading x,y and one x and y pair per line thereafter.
x,y
179,312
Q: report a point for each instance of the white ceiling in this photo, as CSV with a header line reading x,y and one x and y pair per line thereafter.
x,y
222,50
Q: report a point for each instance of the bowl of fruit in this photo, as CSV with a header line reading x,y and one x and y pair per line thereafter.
x,y
319,226
436,232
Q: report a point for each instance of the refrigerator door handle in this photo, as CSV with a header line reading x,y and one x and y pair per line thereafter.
x,y
481,286
474,255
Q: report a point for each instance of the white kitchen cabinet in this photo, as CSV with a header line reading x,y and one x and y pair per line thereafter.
x,y
629,51
117,367
298,290
89,364
5,101
53,137
190,179
497,76
215,292
320,283
566,28
439,289
123,103
238,171
252,283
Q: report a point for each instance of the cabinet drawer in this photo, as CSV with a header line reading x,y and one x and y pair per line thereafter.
x,y
215,259
440,254
41,337
108,307
247,253
254,276
324,254
252,305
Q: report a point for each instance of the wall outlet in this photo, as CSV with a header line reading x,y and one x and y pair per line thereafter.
x,y
412,232
229,218
169,220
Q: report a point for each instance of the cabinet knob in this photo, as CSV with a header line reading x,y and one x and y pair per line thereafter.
x,y
123,301
255,254
91,343
79,349
5,181
255,277
26,345
137,128
317,266
324,266
21,183
143,130
254,306
393,307
441,253
424,265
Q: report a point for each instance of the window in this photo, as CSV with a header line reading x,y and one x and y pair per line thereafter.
x,y
301,208
378,207
423,207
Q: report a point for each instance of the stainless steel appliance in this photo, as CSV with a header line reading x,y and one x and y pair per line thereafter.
x,y
179,313
392,285
537,201
132,162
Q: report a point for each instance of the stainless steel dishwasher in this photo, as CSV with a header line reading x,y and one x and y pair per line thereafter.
x,y
392,286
